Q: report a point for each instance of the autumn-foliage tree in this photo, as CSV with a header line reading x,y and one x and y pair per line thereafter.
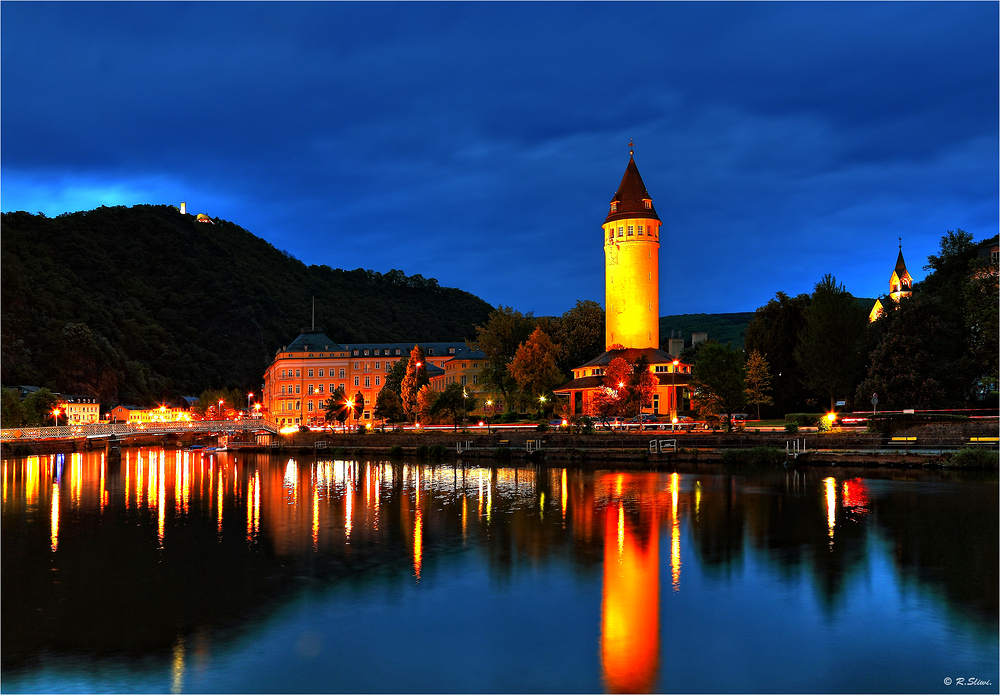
x,y
426,397
639,389
758,378
534,365
414,380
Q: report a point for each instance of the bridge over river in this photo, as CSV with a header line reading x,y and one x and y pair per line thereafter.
x,y
123,430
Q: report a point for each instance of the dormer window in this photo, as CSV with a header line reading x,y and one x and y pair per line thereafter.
x,y
430,351
451,351
614,207
648,203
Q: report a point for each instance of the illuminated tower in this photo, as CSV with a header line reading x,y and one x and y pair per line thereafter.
x,y
632,265
900,286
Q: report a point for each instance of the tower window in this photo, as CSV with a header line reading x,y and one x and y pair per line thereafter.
x,y
630,230
611,234
621,232
648,203
614,207
640,230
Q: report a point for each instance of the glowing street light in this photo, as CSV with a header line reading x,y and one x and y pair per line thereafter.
x,y
55,414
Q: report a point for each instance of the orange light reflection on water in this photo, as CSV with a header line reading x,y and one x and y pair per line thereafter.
x,y
630,635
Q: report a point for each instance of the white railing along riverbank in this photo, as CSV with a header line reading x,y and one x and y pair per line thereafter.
x,y
15,434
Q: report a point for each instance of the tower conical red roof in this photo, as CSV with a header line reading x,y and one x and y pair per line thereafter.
x,y
630,198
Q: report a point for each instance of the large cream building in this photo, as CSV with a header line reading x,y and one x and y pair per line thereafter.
x,y
305,372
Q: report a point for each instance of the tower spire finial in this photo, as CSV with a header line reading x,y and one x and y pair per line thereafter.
x,y
900,243
631,147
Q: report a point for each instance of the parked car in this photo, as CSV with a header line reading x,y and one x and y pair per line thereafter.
x,y
684,423
558,423
643,421
612,423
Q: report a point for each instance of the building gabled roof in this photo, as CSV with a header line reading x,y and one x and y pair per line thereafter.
x,y
629,199
312,339
654,355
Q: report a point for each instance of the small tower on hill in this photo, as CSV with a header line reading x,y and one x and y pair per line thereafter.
x,y
632,265
900,286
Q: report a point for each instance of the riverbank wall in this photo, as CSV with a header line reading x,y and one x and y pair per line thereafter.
x,y
920,445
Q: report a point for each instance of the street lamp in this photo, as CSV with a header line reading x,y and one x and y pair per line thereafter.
x,y
221,416
489,412
55,414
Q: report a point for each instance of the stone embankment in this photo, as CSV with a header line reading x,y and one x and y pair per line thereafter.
x,y
919,445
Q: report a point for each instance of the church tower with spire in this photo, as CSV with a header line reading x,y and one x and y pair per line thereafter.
x,y
632,265
900,285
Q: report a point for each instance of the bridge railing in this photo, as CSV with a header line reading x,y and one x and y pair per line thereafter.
x,y
128,429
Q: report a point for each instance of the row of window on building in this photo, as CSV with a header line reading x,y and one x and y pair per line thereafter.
x,y
631,230
312,373
292,389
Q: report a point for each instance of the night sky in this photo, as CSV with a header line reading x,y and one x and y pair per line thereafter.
x,y
480,144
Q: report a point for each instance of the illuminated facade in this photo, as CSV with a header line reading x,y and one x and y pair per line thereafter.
x,y
900,286
631,234
136,415
79,410
303,375
465,368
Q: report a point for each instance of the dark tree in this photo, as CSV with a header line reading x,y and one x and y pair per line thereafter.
x,y
499,339
719,378
774,333
830,344
920,361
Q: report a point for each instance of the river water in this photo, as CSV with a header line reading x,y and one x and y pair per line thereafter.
x,y
176,571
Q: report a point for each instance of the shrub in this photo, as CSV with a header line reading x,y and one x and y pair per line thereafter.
x,y
438,451
975,458
502,452
421,451
542,427
395,450
359,452
801,419
509,417
791,427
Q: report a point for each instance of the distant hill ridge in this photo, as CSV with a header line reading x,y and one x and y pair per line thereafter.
x,y
137,304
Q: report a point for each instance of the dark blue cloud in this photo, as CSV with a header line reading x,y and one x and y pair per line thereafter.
x,y
480,143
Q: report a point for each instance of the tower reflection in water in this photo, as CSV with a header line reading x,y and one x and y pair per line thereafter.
x,y
630,610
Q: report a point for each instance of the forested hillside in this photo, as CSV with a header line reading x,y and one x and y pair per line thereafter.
x,y
725,328
143,303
